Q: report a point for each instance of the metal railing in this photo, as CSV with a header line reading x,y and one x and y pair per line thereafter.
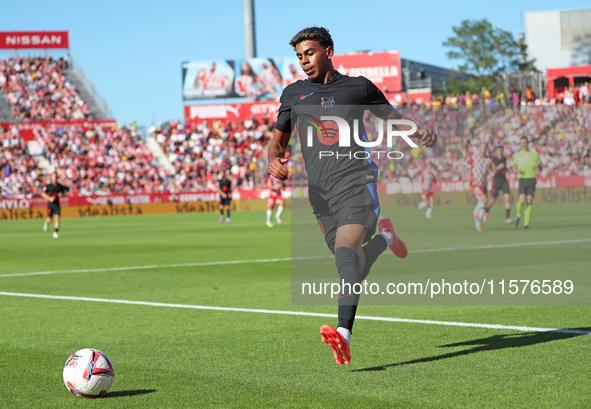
x,y
90,87
414,84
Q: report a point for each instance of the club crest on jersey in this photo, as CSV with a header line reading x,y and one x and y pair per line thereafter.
x,y
327,102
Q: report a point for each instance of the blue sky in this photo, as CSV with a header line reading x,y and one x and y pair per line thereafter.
x,y
132,50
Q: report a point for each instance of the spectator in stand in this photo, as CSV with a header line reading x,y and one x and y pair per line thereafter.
x,y
38,90
197,152
100,161
19,172
584,93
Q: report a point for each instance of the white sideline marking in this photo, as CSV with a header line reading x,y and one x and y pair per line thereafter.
x,y
300,313
274,260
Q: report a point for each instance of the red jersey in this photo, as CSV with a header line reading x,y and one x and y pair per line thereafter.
x,y
479,166
272,182
428,179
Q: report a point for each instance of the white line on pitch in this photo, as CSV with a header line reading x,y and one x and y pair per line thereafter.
x,y
274,260
300,313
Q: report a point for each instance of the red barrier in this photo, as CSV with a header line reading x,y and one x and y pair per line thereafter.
x,y
445,186
136,199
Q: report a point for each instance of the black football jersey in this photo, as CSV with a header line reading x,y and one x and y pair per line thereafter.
x,y
54,191
303,105
500,173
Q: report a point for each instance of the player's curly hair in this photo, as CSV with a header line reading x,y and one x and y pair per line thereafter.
x,y
319,34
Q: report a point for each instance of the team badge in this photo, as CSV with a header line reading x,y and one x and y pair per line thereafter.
x,y
327,102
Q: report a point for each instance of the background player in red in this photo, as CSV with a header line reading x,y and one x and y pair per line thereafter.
x,y
428,180
500,184
225,191
52,192
275,198
480,164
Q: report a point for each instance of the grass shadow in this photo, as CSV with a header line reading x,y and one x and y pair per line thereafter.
x,y
118,394
492,343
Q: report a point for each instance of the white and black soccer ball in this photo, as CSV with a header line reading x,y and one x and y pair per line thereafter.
x,y
88,373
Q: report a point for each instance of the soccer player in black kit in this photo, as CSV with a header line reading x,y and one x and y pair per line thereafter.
x,y
225,191
52,193
342,192
500,184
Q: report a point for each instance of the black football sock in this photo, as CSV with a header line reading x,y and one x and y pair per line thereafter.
x,y
228,213
508,212
347,262
56,230
221,212
486,209
372,250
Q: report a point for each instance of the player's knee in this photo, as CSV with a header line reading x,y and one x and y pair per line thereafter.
x,y
347,262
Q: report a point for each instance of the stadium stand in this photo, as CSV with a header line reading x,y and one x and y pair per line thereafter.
x,y
5,111
97,161
202,151
181,157
19,173
37,89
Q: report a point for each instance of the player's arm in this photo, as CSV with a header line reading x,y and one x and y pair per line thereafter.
x,y
492,167
515,167
221,192
277,151
46,196
539,162
64,190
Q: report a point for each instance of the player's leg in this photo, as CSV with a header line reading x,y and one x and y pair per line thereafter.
x,y
523,192
221,207
507,198
529,206
423,203
491,201
227,207
349,259
478,212
279,210
47,219
327,223
519,207
430,208
56,225
270,206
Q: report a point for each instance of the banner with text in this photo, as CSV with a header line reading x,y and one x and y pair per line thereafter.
x,y
17,40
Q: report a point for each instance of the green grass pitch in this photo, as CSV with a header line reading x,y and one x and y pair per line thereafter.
x,y
171,357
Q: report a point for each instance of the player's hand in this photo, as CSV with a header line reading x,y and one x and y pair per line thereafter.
x,y
428,137
277,168
51,199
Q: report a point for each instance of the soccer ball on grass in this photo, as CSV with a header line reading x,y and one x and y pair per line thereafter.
x,y
88,373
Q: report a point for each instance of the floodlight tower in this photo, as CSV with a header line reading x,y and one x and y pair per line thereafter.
x,y
250,46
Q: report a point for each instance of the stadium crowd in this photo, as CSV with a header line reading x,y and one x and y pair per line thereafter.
x,y
199,152
19,174
559,133
571,95
37,89
96,161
